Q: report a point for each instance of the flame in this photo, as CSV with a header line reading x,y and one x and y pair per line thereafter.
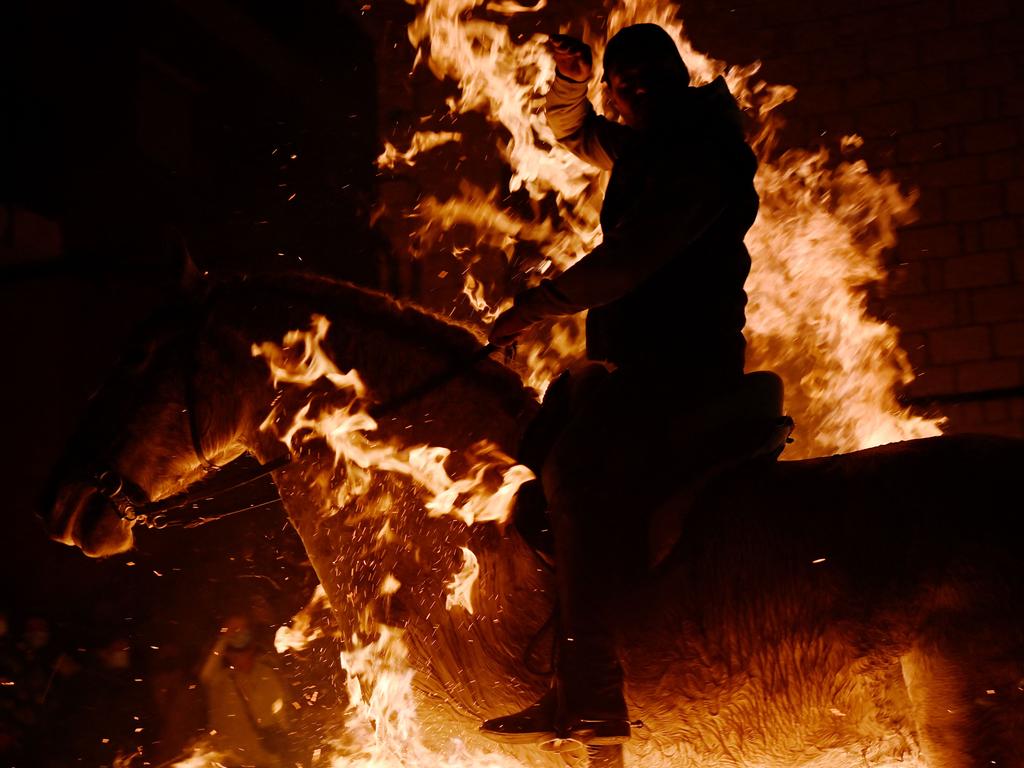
x,y
301,632
817,242
460,588
381,729
348,430
202,757
381,723
474,291
313,363
422,141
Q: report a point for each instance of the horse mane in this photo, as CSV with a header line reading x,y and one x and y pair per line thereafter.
x,y
352,299
362,306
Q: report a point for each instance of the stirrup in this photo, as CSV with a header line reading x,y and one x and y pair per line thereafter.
x,y
600,733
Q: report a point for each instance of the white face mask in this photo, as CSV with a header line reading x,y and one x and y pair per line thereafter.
x,y
240,639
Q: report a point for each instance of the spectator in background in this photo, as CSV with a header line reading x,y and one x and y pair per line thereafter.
x,y
38,659
6,644
177,703
107,706
247,701
263,620
43,687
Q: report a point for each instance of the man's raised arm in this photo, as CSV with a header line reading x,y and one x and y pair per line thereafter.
x,y
569,113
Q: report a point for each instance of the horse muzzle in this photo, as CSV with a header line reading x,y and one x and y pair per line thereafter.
x,y
85,517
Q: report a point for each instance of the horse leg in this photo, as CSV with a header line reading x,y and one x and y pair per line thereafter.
x,y
966,689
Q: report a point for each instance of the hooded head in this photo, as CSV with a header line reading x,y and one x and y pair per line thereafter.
x,y
644,72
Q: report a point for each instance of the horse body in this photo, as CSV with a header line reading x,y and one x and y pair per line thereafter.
x,y
829,612
842,611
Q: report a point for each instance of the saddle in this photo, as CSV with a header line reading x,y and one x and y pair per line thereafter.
x,y
728,428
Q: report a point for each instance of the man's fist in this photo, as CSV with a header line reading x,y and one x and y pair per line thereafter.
x,y
508,327
573,58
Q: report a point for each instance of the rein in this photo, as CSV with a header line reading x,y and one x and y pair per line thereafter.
x,y
129,500
434,382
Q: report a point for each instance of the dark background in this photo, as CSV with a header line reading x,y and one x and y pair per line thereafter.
x,y
246,132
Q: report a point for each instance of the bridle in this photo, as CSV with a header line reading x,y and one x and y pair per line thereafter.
x,y
129,500
131,505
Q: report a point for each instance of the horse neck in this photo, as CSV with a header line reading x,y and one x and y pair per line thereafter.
x,y
232,395
355,545
394,349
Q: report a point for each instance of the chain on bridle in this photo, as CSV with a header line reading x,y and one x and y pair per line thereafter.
x,y
130,502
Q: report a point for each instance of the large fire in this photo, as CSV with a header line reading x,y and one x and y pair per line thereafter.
x,y
817,242
345,429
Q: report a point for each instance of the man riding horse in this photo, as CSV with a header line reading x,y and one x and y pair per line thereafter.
x,y
666,300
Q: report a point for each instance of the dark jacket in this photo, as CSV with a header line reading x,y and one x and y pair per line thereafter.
x,y
665,288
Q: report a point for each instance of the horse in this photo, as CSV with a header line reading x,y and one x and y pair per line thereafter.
x,y
863,609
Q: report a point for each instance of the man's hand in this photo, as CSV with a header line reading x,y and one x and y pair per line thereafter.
x,y
508,327
530,306
573,57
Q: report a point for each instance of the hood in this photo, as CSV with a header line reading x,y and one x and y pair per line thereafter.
x,y
714,103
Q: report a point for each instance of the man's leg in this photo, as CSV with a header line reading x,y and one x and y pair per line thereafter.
x,y
586,701
589,569
593,480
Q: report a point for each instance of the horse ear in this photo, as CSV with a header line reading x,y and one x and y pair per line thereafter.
x,y
192,281
191,277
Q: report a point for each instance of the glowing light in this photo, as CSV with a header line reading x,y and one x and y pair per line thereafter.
x,y
346,429
381,726
390,585
202,757
301,632
460,588
422,141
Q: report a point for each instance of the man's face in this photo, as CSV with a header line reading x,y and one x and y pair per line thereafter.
x,y
630,94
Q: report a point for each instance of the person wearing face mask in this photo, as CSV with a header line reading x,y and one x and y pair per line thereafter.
x,y
39,661
247,700
107,705
665,296
44,678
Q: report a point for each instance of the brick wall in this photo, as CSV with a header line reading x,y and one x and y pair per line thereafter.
x,y
936,90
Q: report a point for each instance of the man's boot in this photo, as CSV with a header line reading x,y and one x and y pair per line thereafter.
x,y
533,725
591,707
585,703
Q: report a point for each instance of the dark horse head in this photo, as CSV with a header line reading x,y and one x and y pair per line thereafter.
x,y
157,426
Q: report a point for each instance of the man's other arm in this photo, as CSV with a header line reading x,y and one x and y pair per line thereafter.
x,y
672,213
